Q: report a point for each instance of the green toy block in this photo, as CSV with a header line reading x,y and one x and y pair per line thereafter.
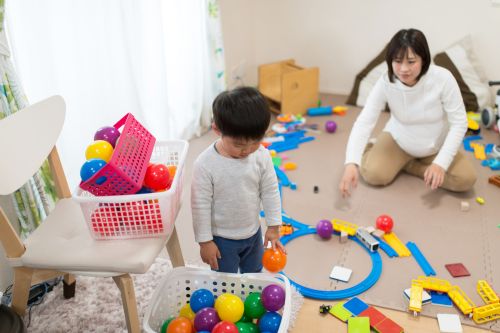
x,y
358,325
340,312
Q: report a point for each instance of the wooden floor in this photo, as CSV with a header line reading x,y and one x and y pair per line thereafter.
x,y
310,320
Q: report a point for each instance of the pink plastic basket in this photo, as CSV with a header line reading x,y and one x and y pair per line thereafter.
x,y
124,173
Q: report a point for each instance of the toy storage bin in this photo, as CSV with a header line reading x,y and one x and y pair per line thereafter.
x,y
125,171
289,88
138,215
177,286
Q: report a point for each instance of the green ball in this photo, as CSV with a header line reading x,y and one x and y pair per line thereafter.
x,y
253,306
247,327
245,318
165,324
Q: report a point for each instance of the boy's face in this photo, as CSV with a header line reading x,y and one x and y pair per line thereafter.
x,y
238,148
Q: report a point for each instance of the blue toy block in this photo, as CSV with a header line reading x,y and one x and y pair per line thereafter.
x,y
355,306
468,139
488,148
320,111
441,299
386,248
421,260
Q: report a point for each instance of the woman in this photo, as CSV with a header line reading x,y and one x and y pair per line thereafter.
x,y
427,124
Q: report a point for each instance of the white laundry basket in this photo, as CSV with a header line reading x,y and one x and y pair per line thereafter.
x,y
138,215
176,288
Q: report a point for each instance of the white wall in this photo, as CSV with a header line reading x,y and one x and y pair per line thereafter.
x,y
6,273
341,36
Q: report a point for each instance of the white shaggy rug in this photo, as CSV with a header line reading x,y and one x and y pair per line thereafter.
x,y
97,305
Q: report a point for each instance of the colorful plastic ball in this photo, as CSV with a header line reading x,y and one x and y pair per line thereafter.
x,y
107,133
274,260
324,228
186,312
244,327
165,325
206,319
273,297
245,318
229,307
90,168
201,298
270,322
330,126
385,223
225,327
180,325
144,190
253,306
157,177
99,149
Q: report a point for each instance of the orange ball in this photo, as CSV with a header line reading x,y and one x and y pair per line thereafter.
x,y
274,260
180,325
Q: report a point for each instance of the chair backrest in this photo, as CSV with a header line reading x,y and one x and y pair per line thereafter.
x,y
26,139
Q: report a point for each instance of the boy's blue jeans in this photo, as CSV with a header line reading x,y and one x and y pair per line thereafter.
x,y
245,254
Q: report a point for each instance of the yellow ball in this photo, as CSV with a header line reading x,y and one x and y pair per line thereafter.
x,y
229,307
99,149
186,312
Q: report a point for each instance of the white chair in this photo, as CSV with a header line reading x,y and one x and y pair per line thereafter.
x,y
62,244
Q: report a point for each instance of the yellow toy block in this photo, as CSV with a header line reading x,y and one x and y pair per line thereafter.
x,y
416,296
340,225
479,151
485,313
461,300
435,284
486,292
396,244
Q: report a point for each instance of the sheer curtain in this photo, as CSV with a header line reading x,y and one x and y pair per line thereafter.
x,y
160,60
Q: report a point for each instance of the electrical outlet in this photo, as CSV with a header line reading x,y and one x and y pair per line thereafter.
x,y
238,71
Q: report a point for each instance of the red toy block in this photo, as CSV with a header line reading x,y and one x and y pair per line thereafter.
x,y
388,326
375,315
457,270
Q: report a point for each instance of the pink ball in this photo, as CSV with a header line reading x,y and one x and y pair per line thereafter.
x,y
324,228
330,126
107,133
273,297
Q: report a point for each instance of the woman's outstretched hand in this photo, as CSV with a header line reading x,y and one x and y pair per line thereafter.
x,y
349,180
434,176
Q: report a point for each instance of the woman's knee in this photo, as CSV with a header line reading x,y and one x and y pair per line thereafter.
x,y
376,176
463,183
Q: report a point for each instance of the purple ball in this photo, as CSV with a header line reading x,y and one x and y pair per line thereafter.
x,y
330,126
206,319
107,133
273,297
324,229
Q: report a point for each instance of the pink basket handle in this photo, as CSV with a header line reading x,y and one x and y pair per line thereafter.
x,y
122,121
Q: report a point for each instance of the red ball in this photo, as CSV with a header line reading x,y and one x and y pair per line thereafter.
x,y
157,177
385,223
225,327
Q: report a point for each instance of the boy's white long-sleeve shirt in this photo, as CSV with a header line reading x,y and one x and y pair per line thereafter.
x,y
426,118
227,193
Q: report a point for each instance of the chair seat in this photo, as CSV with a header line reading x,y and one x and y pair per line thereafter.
x,y
63,242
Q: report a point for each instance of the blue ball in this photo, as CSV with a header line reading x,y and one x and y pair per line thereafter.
x,y
201,298
90,167
270,322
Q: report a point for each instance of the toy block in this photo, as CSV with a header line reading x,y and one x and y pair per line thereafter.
x,y
420,258
375,315
341,273
340,225
479,152
355,306
340,312
290,89
388,326
449,323
358,325
467,142
378,233
461,300
396,244
485,313
416,292
464,206
343,237
457,270
486,292
432,283
441,299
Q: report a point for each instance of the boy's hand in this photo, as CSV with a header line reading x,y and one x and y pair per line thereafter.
x,y
209,254
273,236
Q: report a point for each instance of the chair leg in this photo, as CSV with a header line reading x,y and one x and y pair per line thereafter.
x,y
21,289
174,249
69,286
126,286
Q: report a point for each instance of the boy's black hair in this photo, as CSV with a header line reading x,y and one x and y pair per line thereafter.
x,y
242,113
398,48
